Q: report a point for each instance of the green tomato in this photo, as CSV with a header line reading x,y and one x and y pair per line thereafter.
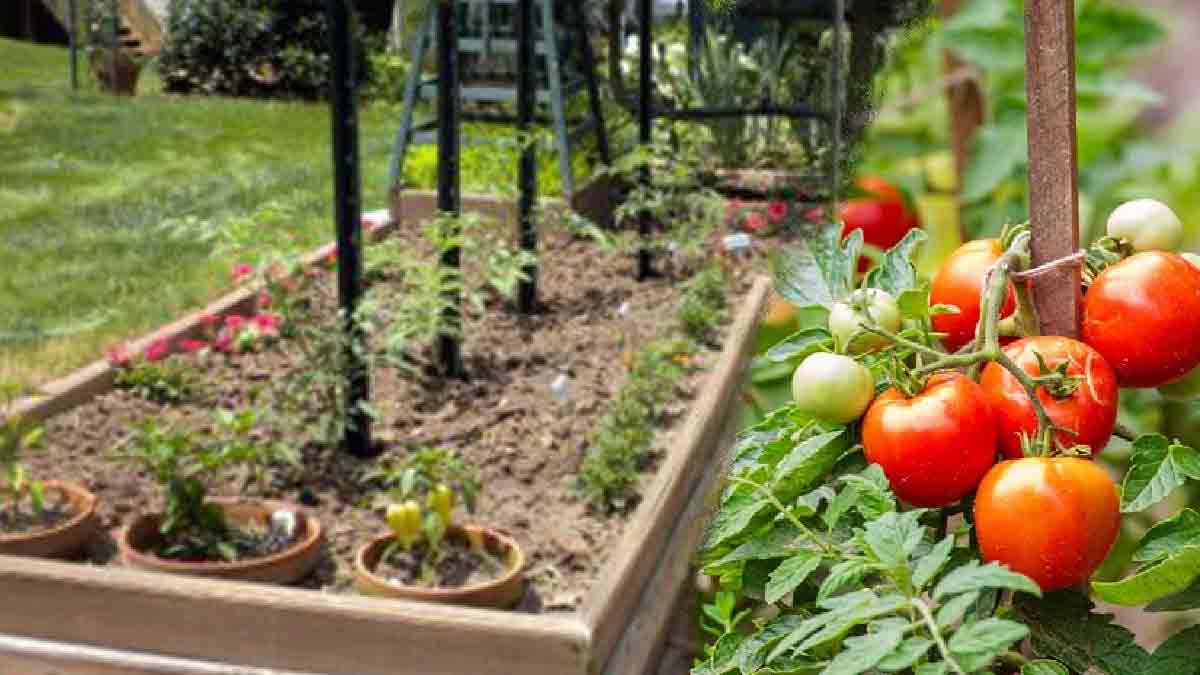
x,y
1186,388
833,387
846,320
1147,224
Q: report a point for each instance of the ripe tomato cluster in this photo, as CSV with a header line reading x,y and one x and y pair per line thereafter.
x,y
971,426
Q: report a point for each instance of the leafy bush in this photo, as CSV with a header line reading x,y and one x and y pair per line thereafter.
x,y
250,48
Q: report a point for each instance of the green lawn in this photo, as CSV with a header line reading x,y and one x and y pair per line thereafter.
x,y
112,211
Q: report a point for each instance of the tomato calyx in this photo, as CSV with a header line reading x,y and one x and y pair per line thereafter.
x,y
1056,381
1104,253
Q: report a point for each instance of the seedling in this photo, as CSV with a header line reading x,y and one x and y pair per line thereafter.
x,y
17,436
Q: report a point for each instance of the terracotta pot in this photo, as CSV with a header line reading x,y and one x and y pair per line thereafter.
x,y
502,592
63,539
285,567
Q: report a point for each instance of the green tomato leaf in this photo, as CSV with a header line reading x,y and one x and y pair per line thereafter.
x,y
1064,628
841,575
914,303
1177,655
808,462
939,668
1158,580
893,537
1044,667
999,151
858,612
976,577
978,643
821,271
736,514
896,273
931,564
796,347
783,541
1169,536
904,656
751,655
860,654
1182,601
790,574
1155,472
955,609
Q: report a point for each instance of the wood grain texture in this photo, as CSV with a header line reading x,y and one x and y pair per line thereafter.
x,y
610,606
39,657
281,628
1053,159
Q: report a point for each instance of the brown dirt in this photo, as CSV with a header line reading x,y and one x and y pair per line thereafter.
x,y
23,519
503,420
459,566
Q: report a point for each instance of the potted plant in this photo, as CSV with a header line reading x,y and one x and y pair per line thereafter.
x,y
429,556
225,537
44,519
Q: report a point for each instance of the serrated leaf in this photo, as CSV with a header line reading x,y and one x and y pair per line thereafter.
x,y
1187,460
844,620
1158,580
783,541
862,653
841,575
810,460
735,515
955,609
1177,655
798,346
872,493
1152,476
931,564
1044,667
893,537
1184,600
939,668
895,273
752,654
904,656
790,574
978,643
913,303
1065,628
999,150
821,271
1169,536
976,577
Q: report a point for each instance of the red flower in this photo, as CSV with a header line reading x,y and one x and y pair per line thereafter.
x,y
267,323
192,346
119,356
157,350
224,341
235,322
240,272
755,222
814,215
264,299
777,211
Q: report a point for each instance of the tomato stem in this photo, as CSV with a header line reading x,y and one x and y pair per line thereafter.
x,y
936,634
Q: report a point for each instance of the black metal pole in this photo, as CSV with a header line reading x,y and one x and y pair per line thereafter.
x,y
73,24
645,268
116,37
449,198
526,90
348,212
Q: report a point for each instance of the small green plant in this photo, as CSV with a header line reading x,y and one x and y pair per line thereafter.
x,y
186,466
17,436
703,305
164,382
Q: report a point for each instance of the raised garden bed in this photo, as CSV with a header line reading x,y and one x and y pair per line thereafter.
x,y
587,570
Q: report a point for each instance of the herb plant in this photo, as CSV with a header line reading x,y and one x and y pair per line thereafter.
x,y
17,437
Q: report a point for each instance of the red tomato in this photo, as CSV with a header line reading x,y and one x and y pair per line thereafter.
x,y
934,447
1091,411
1051,519
883,219
1143,316
959,282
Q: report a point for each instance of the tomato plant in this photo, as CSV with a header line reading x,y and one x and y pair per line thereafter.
x,y
867,305
1147,224
814,564
1084,407
1052,519
1143,315
958,284
882,215
936,446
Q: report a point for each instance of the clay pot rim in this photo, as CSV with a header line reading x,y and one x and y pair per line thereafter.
x,y
80,497
516,568
143,560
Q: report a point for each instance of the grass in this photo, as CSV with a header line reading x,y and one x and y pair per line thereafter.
x,y
112,210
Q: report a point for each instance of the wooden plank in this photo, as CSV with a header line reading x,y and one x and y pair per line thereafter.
x,y
1053,159
964,101
281,628
609,607
41,657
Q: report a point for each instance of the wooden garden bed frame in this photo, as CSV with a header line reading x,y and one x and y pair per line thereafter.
x,y
82,620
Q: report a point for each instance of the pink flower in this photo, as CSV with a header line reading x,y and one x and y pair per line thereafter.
x,y
208,320
777,211
157,350
240,272
192,346
267,323
755,222
119,356
234,322
264,300
814,215
224,340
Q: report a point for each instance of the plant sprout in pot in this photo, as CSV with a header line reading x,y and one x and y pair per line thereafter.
x,y
44,519
235,538
428,555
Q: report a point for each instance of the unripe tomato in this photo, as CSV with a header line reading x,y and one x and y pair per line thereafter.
x,y
1051,519
1090,411
934,447
1143,315
833,387
883,218
846,320
1147,224
959,283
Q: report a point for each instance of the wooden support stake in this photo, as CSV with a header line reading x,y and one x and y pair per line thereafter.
x,y
965,103
1053,159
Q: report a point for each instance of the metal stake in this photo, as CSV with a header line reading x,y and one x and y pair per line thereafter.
x,y
73,24
526,90
645,268
449,197
348,213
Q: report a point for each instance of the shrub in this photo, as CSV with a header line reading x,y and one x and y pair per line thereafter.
x,y
265,48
